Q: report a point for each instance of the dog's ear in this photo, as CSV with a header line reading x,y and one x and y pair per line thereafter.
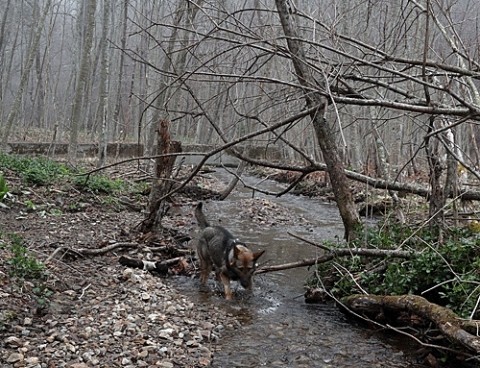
x,y
236,254
236,251
257,255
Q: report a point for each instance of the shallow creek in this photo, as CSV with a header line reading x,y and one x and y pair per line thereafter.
x,y
278,328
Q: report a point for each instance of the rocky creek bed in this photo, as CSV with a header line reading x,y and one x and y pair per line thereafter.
x,y
90,311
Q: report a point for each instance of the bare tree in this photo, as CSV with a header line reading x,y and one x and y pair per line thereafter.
x,y
101,115
324,133
82,77
19,94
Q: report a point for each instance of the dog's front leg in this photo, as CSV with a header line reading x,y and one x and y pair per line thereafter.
x,y
226,286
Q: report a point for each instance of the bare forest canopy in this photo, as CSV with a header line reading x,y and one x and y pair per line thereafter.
x,y
396,76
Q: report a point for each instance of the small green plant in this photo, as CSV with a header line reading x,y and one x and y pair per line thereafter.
x,y
6,317
446,273
30,205
43,295
3,187
99,184
23,264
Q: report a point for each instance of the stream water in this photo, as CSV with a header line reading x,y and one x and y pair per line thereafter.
x,y
278,328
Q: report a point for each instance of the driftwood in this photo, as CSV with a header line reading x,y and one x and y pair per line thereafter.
x,y
226,192
458,331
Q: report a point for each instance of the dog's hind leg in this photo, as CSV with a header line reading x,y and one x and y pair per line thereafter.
x,y
205,269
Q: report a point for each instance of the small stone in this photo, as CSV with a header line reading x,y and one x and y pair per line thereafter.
x,y
143,354
204,362
126,361
32,360
70,348
15,357
165,364
171,309
145,297
27,321
13,341
70,292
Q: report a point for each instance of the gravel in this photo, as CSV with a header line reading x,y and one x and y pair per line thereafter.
x,y
137,320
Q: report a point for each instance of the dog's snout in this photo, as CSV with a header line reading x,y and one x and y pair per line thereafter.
x,y
246,282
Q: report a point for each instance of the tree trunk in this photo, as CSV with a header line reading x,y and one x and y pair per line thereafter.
x,y
121,62
324,134
101,115
163,181
82,78
437,195
448,323
24,79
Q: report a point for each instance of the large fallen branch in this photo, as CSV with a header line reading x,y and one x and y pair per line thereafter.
x,y
449,324
89,252
340,252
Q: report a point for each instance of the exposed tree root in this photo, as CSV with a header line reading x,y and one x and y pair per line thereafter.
x,y
448,323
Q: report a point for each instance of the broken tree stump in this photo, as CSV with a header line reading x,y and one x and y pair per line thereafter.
x,y
163,181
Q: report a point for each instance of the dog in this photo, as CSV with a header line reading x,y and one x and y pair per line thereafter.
x,y
218,249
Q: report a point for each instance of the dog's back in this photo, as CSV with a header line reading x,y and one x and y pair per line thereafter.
x,y
217,248
214,241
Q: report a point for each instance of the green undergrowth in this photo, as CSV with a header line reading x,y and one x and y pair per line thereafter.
x,y
99,184
41,171
34,170
20,262
446,272
27,279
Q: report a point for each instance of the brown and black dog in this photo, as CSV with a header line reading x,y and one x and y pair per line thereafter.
x,y
218,249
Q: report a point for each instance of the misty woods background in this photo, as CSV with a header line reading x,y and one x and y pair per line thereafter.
x,y
385,93
384,88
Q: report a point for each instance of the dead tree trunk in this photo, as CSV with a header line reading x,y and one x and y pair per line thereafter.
x,y
323,131
163,179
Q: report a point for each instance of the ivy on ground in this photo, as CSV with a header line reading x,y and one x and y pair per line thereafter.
x,y
447,273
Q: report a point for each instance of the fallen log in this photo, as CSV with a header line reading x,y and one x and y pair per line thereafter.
x,y
447,322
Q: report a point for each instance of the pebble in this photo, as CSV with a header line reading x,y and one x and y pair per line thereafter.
x,y
13,341
15,357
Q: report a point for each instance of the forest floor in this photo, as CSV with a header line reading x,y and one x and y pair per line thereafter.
x,y
81,310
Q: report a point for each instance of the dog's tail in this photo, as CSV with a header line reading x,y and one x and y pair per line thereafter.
x,y
199,215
